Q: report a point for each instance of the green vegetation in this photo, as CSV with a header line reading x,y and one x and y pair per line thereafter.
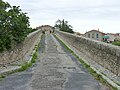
x,y
29,64
34,57
25,66
2,76
33,60
116,43
92,72
62,25
14,25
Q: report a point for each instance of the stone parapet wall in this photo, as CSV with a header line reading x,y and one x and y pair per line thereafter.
x,y
20,52
106,55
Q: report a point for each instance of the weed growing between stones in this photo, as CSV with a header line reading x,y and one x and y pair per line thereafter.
x,y
2,76
25,66
91,71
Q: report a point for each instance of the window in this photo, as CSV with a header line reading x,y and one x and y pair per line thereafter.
x,y
97,35
88,35
92,35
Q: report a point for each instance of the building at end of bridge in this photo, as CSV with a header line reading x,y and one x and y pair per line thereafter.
x,y
46,28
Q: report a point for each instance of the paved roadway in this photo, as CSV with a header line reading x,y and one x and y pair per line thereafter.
x,y
55,69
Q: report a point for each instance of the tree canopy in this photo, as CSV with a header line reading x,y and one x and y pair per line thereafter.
x,y
63,25
14,25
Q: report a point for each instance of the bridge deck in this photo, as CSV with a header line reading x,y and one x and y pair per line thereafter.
x,y
56,69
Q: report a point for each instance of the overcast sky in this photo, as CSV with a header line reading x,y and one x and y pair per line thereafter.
x,y
83,15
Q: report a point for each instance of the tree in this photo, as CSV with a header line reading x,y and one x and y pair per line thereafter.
x,y
63,25
19,24
14,25
5,36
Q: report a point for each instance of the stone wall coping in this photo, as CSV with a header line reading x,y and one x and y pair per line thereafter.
x,y
32,33
98,44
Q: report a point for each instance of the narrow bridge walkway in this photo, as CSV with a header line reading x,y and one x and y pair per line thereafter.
x,y
55,69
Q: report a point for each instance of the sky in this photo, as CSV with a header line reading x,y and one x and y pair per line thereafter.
x,y
83,15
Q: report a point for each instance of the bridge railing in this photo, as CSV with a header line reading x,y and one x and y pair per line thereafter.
x,y
106,55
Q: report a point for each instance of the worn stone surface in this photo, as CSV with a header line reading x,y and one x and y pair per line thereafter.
x,y
56,69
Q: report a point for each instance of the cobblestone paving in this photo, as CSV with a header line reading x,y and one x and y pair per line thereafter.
x,y
56,69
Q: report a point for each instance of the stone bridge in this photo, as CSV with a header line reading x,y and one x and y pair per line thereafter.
x,y
57,68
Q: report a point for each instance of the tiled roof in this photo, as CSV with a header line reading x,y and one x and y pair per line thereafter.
x,y
46,26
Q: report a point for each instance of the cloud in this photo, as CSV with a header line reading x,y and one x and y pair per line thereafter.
x,y
80,13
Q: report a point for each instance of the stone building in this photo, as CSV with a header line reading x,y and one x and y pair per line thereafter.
x,y
77,33
46,28
117,37
95,34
